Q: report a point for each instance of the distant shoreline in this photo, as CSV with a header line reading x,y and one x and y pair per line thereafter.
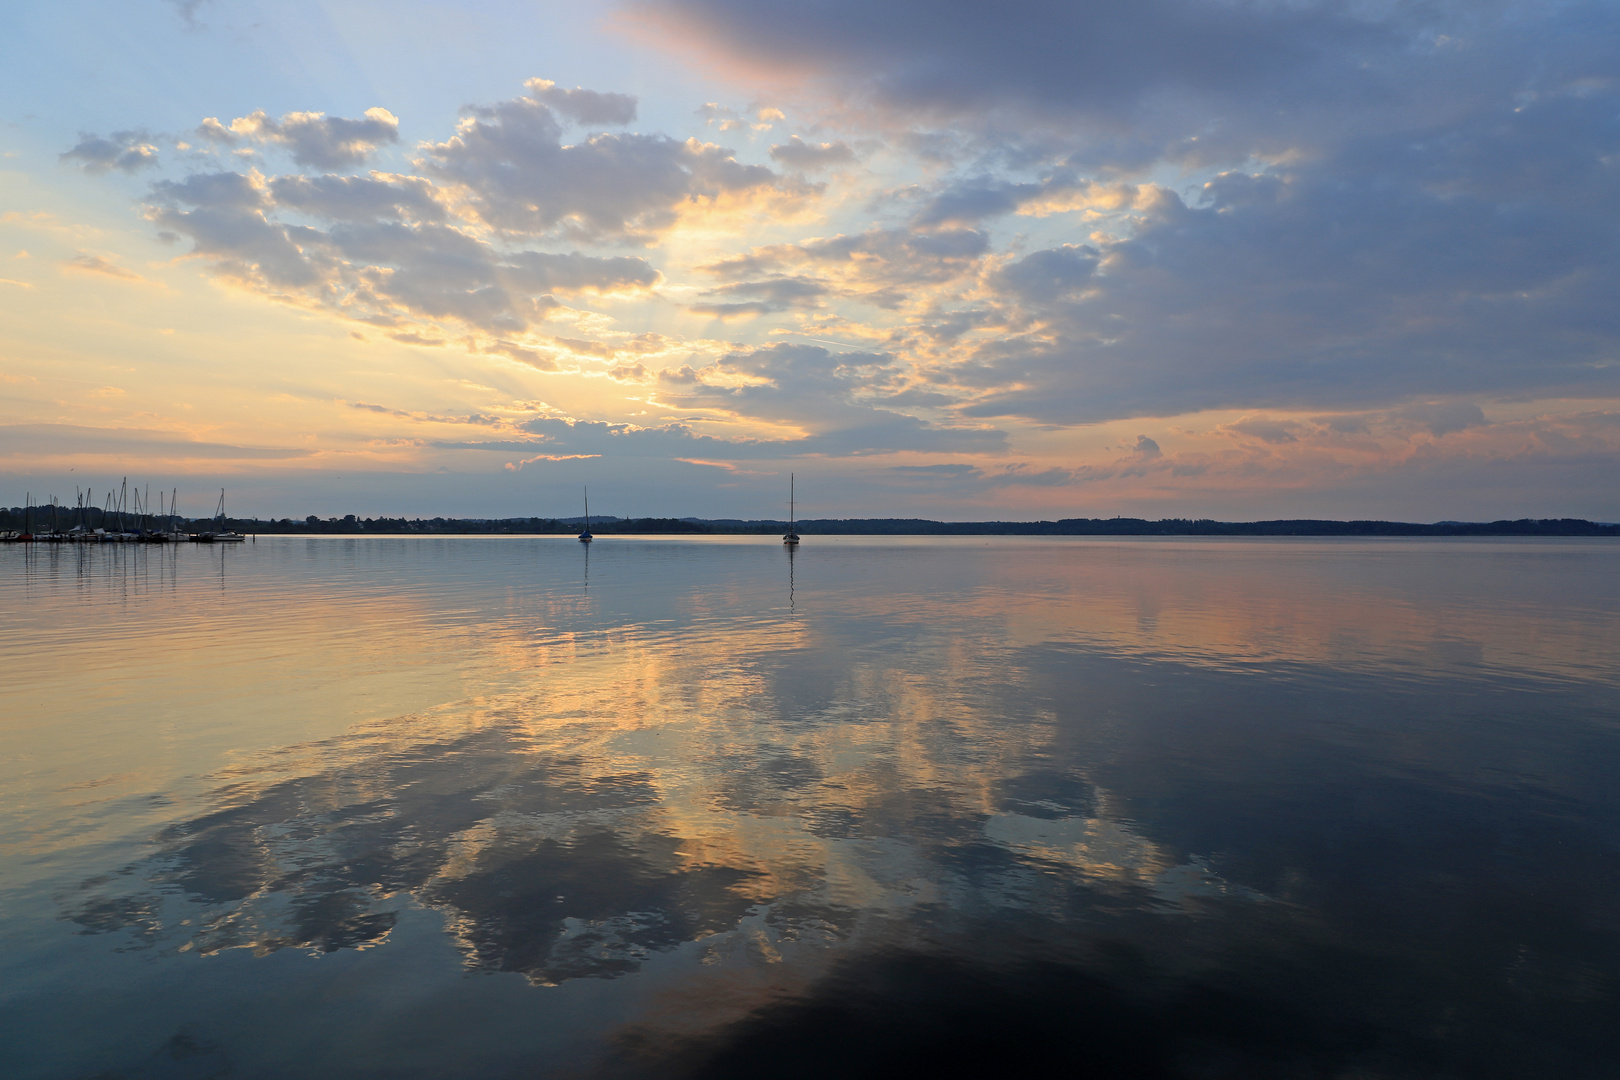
x,y
12,519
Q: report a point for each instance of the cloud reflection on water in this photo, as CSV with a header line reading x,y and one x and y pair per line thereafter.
x,y
954,786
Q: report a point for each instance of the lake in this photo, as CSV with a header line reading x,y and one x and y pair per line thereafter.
x,y
704,807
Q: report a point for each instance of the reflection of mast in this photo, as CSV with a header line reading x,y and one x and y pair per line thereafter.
x,y
792,549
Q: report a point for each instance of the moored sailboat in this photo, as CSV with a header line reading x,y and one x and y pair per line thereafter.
x,y
792,537
586,537
223,535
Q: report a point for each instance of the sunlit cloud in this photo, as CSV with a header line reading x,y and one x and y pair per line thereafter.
x,y
313,139
1002,257
126,151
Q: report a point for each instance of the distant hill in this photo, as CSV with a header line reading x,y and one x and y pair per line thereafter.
x,y
607,524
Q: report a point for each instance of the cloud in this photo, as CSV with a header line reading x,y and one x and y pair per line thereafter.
x,y
922,59
761,297
836,399
187,10
381,196
517,466
1043,277
74,440
314,139
1321,221
126,151
1444,417
1264,429
84,263
883,268
386,254
1398,267
809,157
509,161
970,200
584,106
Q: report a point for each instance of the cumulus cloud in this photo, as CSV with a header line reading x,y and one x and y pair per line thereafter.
x,y
380,196
584,106
515,170
314,139
381,251
126,151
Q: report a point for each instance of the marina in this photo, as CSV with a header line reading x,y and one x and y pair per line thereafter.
x,y
127,517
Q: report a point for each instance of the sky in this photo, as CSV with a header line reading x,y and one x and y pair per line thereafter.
x,y
1166,258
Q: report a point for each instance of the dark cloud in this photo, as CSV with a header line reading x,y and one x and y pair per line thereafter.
x,y
1409,265
1050,55
1043,277
126,151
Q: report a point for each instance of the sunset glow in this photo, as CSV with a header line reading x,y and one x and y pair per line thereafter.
x,y
1165,259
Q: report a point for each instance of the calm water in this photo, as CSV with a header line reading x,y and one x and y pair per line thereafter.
x,y
494,807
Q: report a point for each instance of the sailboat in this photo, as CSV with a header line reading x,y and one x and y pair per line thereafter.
x,y
222,536
792,537
586,537
174,533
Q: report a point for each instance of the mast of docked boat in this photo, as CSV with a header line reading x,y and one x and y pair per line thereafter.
x,y
585,537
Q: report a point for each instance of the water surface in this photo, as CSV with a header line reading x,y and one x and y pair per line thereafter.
x,y
499,807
